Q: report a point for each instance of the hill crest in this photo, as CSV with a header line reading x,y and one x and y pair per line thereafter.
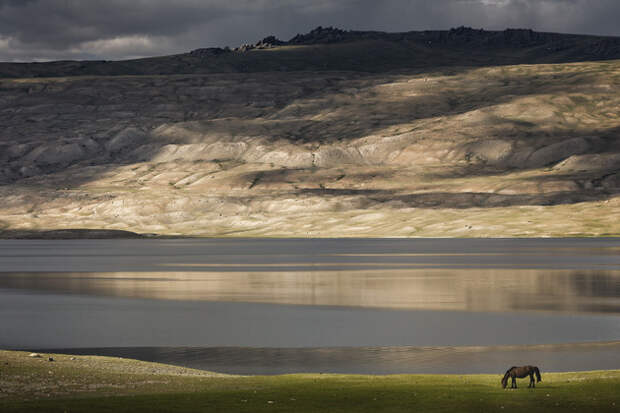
x,y
328,48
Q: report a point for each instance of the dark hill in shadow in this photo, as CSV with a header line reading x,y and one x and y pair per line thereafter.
x,y
367,51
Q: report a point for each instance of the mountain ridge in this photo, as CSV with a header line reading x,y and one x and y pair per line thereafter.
x,y
328,48
288,142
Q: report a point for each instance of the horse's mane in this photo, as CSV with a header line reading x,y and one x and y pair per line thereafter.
x,y
505,379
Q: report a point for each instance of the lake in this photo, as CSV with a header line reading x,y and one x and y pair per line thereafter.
x,y
266,306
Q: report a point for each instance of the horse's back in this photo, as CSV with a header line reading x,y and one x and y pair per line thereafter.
x,y
523,371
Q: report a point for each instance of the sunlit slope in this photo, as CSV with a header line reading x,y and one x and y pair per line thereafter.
x,y
523,150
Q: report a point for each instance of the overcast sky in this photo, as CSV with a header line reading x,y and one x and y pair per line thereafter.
x,y
33,30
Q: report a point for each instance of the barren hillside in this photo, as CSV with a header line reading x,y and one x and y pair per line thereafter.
x,y
484,149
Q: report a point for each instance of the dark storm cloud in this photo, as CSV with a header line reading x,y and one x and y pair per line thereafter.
x,y
54,26
111,29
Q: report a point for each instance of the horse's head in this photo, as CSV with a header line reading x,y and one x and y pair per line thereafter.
x,y
504,382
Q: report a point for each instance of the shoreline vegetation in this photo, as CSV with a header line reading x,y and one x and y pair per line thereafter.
x,y
100,233
94,384
74,233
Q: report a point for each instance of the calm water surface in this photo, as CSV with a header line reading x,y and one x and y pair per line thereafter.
x,y
344,305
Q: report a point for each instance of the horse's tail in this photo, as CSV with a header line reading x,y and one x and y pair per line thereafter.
x,y
505,379
537,373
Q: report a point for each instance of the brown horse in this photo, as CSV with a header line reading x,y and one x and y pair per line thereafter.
x,y
521,372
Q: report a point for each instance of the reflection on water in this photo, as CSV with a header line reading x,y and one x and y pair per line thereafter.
x,y
46,320
374,360
438,289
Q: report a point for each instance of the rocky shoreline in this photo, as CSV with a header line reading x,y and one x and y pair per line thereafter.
x,y
72,234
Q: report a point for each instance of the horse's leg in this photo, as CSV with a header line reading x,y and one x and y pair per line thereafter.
x,y
514,383
531,380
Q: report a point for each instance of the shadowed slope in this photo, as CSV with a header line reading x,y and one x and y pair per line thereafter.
x,y
449,151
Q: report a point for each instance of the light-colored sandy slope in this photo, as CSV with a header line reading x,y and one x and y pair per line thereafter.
x,y
503,151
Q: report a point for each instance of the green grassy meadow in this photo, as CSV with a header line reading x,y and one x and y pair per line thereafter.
x,y
101,384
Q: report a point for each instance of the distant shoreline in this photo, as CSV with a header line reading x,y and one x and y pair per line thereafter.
x,y
73,234
85,233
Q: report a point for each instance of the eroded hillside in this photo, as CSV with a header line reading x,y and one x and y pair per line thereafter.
x,y
522,150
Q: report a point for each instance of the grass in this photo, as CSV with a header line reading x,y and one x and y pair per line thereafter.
x,y
102,384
